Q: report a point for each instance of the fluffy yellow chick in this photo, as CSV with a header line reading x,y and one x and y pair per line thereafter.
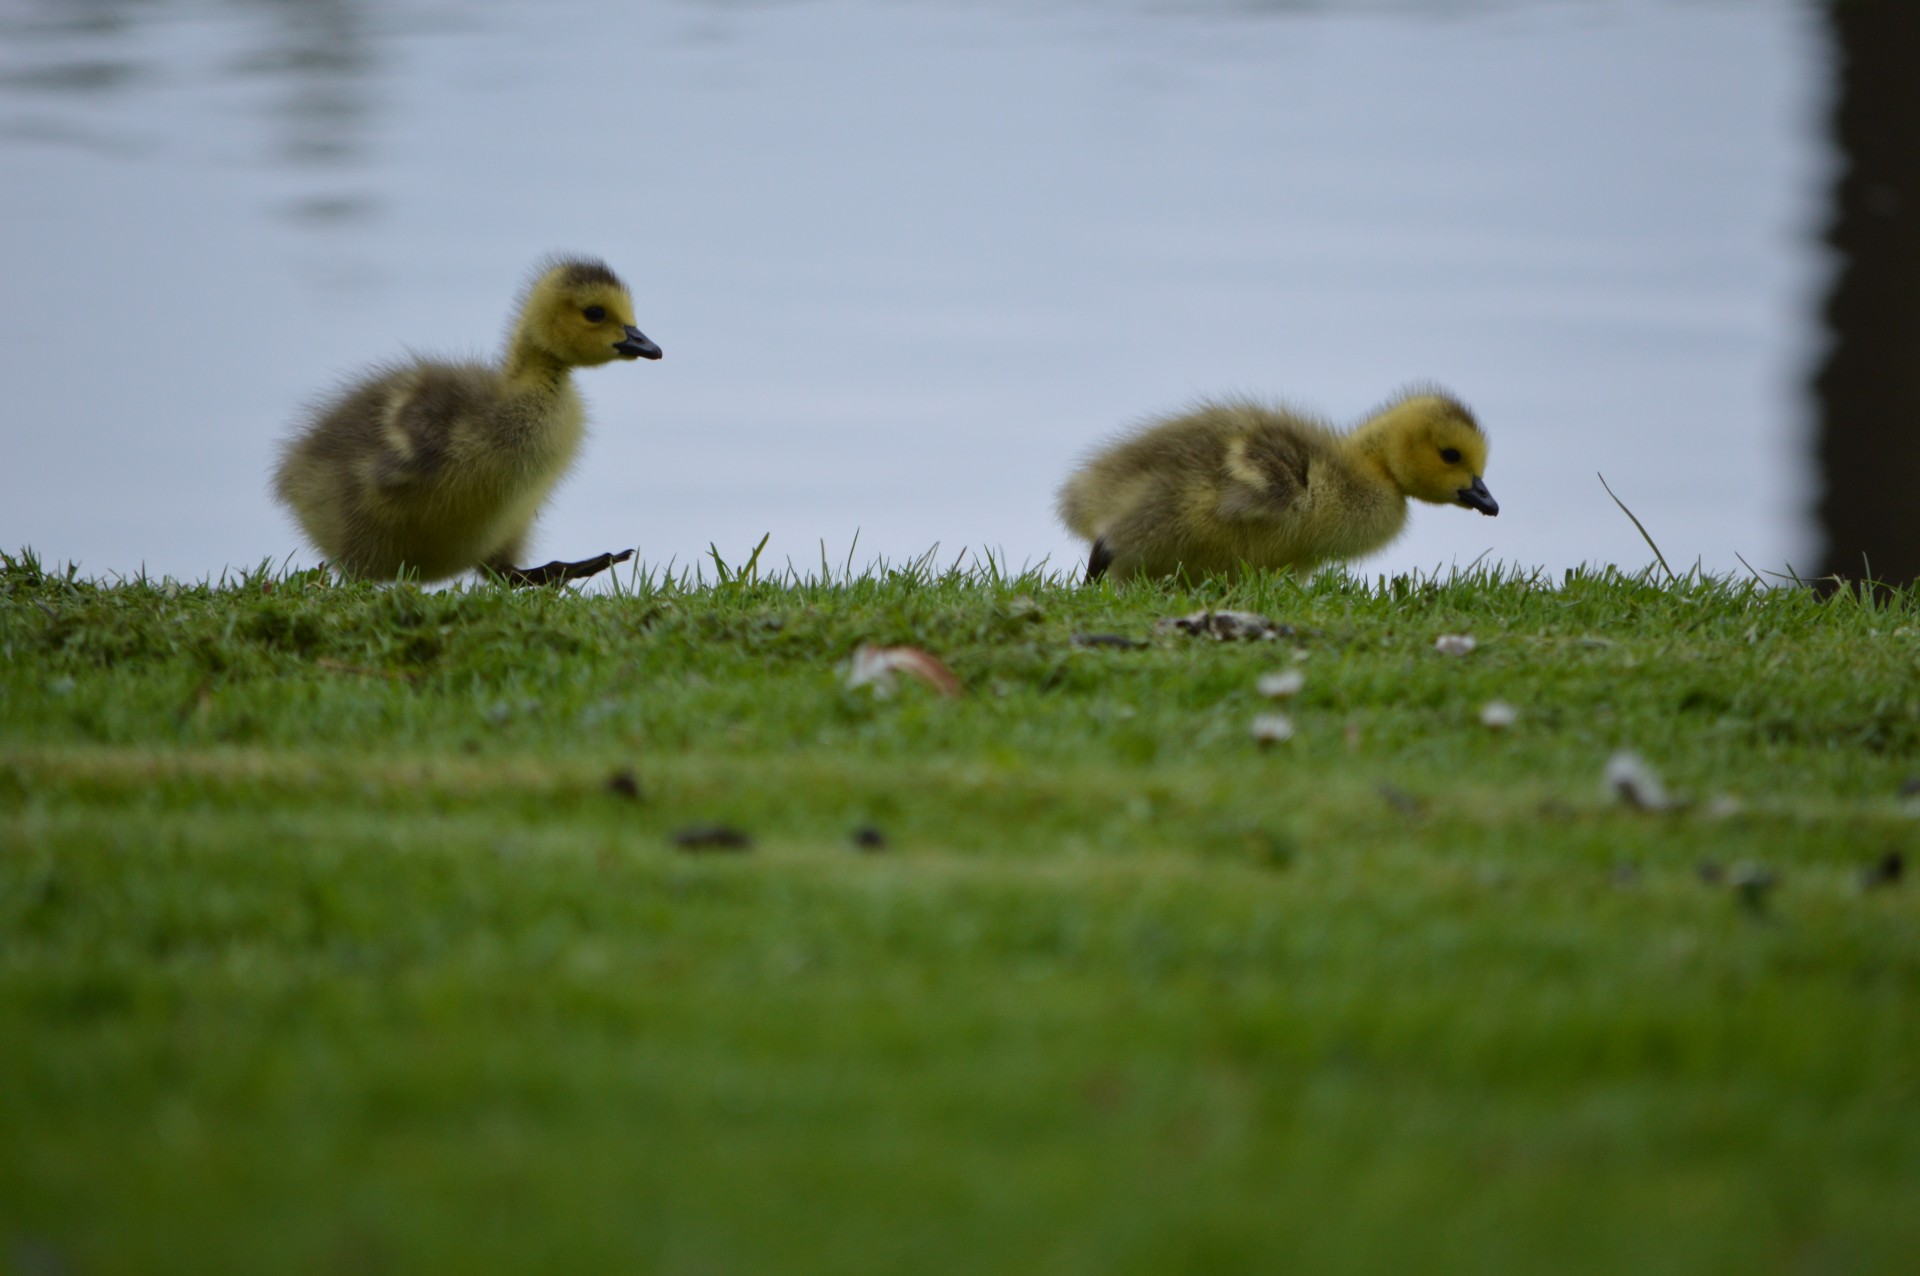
x,y
1235,484
431,468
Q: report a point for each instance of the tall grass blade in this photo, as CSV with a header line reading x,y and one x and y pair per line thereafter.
x,y
1638,526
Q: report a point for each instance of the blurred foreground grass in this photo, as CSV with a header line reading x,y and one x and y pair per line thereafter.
x,y
341,929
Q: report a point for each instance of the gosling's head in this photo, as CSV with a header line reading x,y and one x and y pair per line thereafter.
x,y
578,312
1436,451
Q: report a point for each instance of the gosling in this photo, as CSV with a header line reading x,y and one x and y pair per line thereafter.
x,y
430,468
1236,485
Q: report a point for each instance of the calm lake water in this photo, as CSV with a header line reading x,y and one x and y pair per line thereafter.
x,y
908,261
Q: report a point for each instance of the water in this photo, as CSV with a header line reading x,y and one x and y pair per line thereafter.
x,y
907,262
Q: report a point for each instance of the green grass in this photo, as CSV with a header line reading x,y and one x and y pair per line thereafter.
x,y
325,945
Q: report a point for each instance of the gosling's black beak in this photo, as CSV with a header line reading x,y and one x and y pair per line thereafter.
x,y
1478,497
636,346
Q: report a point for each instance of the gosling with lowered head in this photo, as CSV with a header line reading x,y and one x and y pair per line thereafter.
x,y
1237,484
430,468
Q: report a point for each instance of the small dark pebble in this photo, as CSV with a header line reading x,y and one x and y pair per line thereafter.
x,y
624,783
1886,871
1911,788
1119,642
1709,872
1401,800
1753,884
711,837
869,838
1274,850
1626,875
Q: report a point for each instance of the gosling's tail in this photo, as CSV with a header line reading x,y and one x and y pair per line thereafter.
x,y
1099,560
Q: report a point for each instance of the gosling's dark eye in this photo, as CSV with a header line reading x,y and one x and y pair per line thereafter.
x,y
1451,455
594,314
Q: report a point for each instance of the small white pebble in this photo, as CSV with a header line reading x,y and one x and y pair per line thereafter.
x,y
1498,715
1632,781
1281,686
1272,728
1454,644
1725,806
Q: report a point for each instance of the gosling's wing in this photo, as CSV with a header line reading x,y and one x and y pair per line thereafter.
x,y
423,417
1264,476
400,428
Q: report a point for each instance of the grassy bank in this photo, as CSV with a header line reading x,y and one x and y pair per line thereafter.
x,y
343,928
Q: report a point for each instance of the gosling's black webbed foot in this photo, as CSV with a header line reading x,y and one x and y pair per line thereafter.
x,y
558,573
1098,561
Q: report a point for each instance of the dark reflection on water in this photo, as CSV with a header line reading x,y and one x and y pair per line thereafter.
x,y
320,58
323,52
52,54
1869,385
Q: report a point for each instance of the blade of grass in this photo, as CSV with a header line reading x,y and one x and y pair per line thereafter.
x,y
1639,527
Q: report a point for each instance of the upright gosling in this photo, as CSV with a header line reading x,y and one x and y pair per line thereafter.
x,y
1232,485
432,468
